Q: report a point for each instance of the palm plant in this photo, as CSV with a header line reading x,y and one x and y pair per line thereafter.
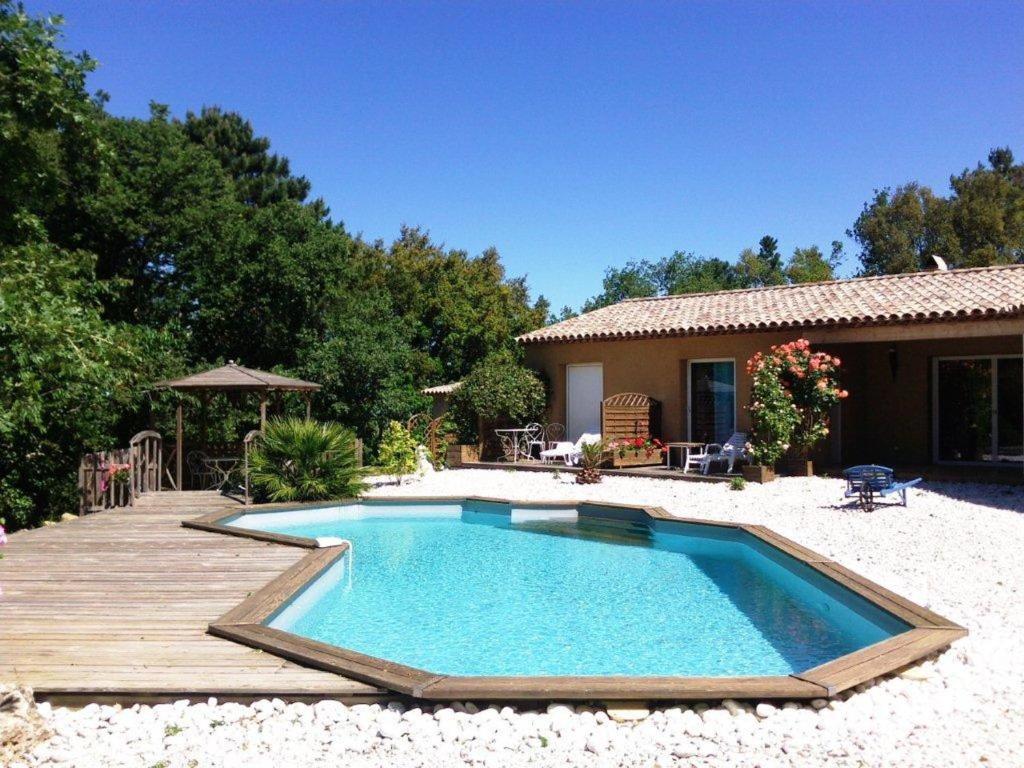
x,y
305,460
592,455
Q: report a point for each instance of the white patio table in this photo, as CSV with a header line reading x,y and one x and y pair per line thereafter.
x,y
517,436
223,467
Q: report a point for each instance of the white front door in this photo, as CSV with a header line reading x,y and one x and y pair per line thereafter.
x,y
584,393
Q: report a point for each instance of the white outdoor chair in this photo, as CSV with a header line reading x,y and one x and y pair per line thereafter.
x,y
553,434
533,437
732,449
569,452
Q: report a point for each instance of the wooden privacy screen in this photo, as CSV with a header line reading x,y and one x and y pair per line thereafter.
x,y
630,414
627,415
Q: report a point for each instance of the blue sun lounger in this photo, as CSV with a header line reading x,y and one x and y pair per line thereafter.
x,y
865,481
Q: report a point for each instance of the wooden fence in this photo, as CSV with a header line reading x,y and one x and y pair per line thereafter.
x,y
100,486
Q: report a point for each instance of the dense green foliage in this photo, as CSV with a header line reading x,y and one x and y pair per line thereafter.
x,y
979,224
397,453
684,272
500,390
305,460
133,250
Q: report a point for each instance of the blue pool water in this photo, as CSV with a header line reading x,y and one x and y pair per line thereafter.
x,y
470,589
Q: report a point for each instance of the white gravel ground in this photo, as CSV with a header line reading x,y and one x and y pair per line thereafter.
x,y
957,549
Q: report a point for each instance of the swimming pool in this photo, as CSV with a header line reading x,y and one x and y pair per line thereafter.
x,y
493,599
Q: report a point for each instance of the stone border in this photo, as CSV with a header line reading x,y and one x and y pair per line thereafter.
x,y
929,632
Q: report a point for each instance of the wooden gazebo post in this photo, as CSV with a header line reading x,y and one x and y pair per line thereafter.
x,y
179,436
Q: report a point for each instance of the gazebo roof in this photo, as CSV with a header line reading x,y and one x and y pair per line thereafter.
x,y
237,377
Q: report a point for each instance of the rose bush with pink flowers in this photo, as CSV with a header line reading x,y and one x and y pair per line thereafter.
x,y
793,390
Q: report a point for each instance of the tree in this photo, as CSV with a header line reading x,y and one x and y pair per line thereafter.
x,y
69,377
981,223
260,177
49,143
499,389
163,205
397,455
810,265
762,267
263,294
637,279
682,272
986,212
685,272
364,361
460,308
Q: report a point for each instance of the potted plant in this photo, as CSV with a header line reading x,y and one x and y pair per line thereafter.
x,y
637,451
812,379
794,389
116,475
592,455
772,418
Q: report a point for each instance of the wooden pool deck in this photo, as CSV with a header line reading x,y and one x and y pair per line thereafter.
x,y
115,606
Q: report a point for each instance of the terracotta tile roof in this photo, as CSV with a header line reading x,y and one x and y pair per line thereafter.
x,y
232,376
985,292
442,389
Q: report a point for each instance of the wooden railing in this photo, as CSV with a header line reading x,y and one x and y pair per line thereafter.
x,y
98,487
146,456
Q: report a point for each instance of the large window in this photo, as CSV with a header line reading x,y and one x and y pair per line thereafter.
x,y
712,400
979,409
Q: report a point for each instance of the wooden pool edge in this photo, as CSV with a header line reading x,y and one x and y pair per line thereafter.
x,y
928,633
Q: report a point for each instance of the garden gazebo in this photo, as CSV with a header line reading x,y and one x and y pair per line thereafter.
x,y
226,379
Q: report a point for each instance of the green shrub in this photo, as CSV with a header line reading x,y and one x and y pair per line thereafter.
x,y
305,460
500,390
397,453
737,484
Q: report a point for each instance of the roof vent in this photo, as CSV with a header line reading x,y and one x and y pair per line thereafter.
x,y
940,264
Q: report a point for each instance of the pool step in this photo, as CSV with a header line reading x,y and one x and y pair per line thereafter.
x,y
631,534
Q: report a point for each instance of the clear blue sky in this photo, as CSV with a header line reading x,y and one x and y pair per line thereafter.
x,y
577,136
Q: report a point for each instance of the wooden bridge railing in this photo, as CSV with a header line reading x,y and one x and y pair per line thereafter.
x,y
115,478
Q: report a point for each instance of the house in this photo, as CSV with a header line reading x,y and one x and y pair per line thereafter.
x,y
932,361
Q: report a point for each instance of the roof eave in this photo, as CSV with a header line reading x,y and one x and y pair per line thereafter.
x,y
977,316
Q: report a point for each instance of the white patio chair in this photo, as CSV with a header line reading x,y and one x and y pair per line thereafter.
x,y
509,446
553,434
533,437
732,449
569,452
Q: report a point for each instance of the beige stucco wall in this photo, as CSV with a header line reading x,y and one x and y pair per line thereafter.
x,y
884,420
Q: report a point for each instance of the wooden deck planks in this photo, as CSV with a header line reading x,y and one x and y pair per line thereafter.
x,y
115,606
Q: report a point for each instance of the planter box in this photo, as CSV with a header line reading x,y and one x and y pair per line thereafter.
x,y
797,468
462,454
643,460
756,473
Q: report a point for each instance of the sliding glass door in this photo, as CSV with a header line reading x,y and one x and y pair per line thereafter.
x,y
979,409
712,400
